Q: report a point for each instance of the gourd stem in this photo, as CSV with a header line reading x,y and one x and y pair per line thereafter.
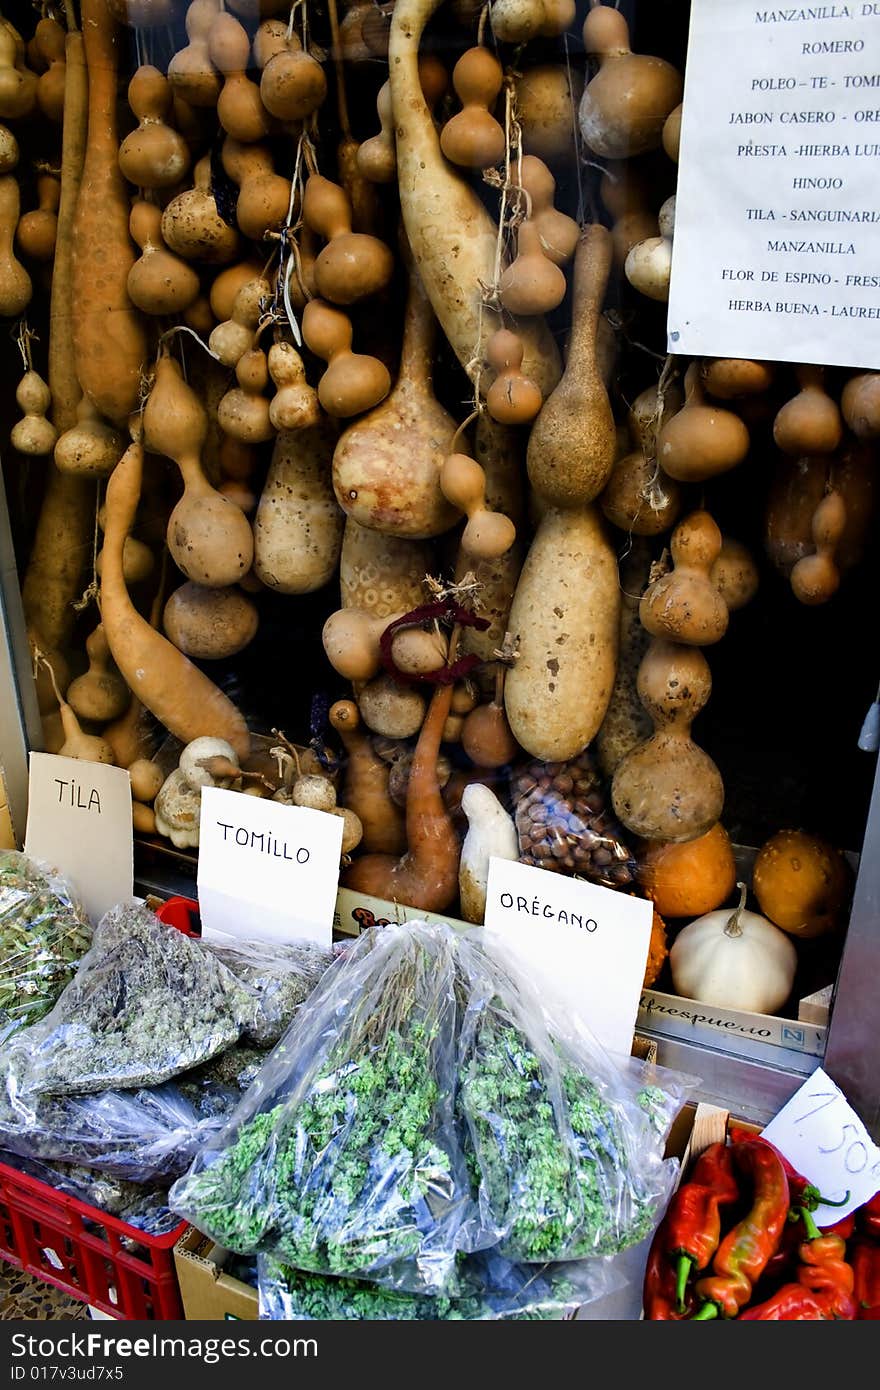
x,y
732,927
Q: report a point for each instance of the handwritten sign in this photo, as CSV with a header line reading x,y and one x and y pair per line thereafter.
x,y
585,944
777,226
267,870
79,822
822,1136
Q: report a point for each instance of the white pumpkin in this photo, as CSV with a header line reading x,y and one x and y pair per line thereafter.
x,y
734,959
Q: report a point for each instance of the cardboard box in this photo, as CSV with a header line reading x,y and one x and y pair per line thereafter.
x,y
208,1292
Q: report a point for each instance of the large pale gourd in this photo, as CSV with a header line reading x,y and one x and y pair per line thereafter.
x,y
298,526
734,960
386,466
108,335
565,616
451,233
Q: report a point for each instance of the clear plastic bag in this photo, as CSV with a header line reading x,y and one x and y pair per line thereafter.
x,y
144,1207
146,1135
43,934
343,1157
145,1004
565,1143
282,976
491,1289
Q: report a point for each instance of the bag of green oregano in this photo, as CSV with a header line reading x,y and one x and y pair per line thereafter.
x,y
343,1157
43,934
565,1144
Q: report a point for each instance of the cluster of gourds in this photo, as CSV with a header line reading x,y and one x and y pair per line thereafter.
x,y
495,543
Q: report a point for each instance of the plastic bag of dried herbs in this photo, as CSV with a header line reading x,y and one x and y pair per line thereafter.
x,y
140,1205
565,1144
138,1136
146,1003
491,1289
343,1157
282,975
43,934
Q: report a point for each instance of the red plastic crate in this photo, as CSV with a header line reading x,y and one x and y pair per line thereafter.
x,y
83,1250
86,1252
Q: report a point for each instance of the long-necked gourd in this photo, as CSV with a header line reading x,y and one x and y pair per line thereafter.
x,y
108,334
61,547
452,235
573,441
165,681
209,537
386,466
365,784
626,723
16,286
298,525
625,105
684,605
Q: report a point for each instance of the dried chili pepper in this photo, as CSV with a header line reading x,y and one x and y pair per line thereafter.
x,y
825,1272
688,1235
868,1217
742,1255
864,1257
791,1303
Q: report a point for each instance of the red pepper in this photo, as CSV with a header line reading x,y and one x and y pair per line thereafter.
x,y
805,1196
659,1297
742,1256
791,1303
843,1228
864,1256
688,1235
825,1272
868,1217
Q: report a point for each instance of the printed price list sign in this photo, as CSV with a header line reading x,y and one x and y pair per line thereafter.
x,y
776,251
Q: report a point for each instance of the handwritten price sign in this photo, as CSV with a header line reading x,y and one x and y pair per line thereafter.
x,y
822,1136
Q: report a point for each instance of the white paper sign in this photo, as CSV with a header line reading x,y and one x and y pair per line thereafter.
x,y
266,870
79,821
776,252
822,1136
585,944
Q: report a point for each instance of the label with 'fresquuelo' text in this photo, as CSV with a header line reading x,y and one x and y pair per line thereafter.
x,y
776,249
266,870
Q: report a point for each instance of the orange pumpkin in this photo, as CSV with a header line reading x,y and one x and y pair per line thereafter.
x,y
658,950
688,879
802,883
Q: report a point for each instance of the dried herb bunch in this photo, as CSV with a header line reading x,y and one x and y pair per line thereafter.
x,y
43,935
354,1169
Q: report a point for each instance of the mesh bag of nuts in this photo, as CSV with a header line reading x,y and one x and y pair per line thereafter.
x,y
564,823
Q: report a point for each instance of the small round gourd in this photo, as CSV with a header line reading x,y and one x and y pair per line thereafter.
x,y
16,286
735,574
8,150
91,447
809,423
235,335
684,605
100,693
192,225
390,709
701,440
240,108
512,399
190,71
146,779
353,382
488,535
210,624
473,138
671,135
816,578
625,106
686,880
18,84
860,404
155,155
352,265
34,434
37,230
727,378
545,95
377,155
532,284
801,883
734,960
243,412
49,38
559,233
293,84
263,195
295,404
159,282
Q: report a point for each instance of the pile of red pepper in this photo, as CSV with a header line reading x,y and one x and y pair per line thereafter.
x,y
739,1240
